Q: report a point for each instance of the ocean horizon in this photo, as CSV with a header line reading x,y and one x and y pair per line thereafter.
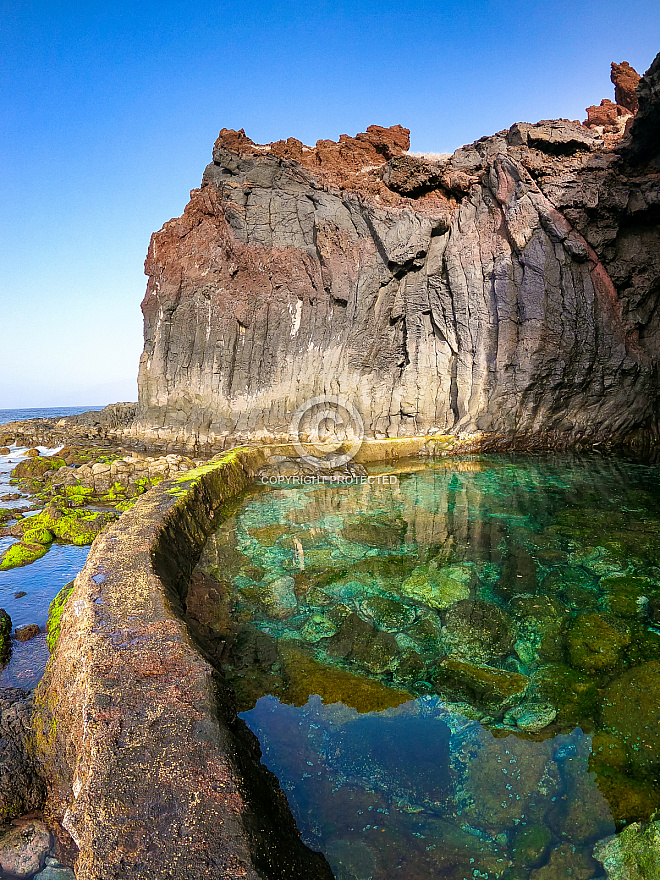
x,y
43,412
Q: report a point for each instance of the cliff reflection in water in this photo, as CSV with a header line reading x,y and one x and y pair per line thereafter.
x,y
454,676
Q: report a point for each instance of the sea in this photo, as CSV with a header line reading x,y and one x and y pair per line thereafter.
x,y
48,412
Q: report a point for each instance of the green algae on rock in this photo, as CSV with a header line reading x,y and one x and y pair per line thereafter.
x,y
21,554
597,641
55,613
438,588
78,527
630,711
488,687
634,854
38,535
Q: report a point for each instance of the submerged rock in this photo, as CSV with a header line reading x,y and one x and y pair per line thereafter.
x,y
629,799
477,632
508,781
530,844
360,642
539,625
597,641
566,862
572,693
532,717
629,709
387,613
483,685
304,676
437,587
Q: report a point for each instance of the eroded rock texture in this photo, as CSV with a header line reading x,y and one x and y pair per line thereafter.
x,y
21,788
511,288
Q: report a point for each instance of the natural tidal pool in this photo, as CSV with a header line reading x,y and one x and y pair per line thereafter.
x,y
456,674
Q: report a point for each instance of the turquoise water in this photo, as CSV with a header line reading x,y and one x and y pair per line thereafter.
x,y
454,676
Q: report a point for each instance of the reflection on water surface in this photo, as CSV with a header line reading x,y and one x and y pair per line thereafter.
x,y
454,676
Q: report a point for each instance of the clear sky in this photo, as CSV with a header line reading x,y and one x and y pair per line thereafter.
x,y
110,109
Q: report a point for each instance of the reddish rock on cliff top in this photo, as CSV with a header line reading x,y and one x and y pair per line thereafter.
x,y
625,79
613,116
336,162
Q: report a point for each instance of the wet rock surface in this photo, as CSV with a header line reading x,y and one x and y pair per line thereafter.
x,y
24,848
21,786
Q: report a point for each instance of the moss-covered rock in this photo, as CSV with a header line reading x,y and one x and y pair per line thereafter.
x,y
38,536
21,554
78,527
438,587
597,641
5,636
630,710
530,844
486,686
634,854
55,613
573,694
477,632
37,467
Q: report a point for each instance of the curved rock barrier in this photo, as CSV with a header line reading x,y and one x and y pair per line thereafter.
x,y
148,768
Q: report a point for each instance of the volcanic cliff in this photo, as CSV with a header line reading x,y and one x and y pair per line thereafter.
x,y
510,289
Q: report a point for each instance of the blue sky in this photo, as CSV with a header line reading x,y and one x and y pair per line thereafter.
x,y
109,112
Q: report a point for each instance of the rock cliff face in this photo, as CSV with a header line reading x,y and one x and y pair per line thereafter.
x,y
511,288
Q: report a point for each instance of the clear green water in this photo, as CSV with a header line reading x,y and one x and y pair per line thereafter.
x,y
454,676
